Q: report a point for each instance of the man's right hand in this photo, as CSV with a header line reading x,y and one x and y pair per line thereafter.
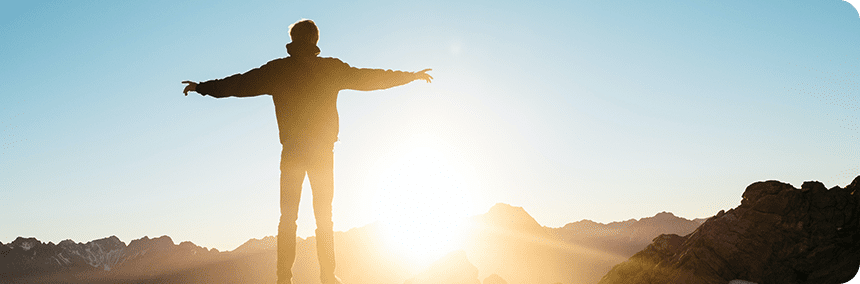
x,y
192,87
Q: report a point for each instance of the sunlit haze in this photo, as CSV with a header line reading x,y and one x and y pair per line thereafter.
x,y
572,110
423,199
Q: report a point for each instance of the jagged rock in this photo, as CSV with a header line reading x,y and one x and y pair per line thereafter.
x,y
454,268
779,234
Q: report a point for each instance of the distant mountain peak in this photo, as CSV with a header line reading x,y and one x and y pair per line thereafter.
x,y
507,213
267,243
154,244
503,209
662,216
25,243
665,214
511,218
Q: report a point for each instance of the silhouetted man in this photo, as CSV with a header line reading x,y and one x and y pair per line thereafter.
x,y
304,88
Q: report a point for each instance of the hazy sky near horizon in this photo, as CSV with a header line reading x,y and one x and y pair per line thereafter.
x,y
600,110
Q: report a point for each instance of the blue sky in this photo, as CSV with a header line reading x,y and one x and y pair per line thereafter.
x,y
601,110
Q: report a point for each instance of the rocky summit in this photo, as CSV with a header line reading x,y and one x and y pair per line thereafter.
x,y
779,234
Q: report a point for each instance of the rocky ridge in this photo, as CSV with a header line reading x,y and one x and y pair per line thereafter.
x,y
779,234
626,237
29,258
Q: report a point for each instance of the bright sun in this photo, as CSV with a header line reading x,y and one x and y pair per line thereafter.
x,y
423,203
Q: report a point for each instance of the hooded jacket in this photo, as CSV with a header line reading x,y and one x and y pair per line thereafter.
x,y
304,88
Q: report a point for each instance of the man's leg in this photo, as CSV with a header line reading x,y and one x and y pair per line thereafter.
x,y
292,177
321,175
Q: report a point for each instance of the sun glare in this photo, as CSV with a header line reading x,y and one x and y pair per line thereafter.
x,y
423,204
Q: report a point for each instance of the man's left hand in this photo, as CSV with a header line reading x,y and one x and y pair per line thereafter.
x,y
422,75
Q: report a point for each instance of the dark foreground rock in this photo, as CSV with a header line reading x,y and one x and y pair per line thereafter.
x,y
779,234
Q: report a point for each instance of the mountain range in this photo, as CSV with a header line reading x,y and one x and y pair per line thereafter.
x,y
504,244
778,234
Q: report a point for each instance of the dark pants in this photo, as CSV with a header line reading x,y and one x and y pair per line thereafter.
x,y
318,163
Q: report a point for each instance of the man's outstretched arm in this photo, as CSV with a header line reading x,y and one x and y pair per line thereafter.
x,y
362,79
249,84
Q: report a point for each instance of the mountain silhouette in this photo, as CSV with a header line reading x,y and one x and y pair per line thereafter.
x,y
627,237
103,260
779,234
511,219
508,242
258,245
505,244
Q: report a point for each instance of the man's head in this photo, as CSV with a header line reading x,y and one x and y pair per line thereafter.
x,y
305,32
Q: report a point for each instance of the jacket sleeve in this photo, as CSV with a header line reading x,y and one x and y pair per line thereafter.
x,y
363,79
248,84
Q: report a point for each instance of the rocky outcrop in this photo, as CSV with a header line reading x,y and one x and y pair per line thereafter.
x,y
779,234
